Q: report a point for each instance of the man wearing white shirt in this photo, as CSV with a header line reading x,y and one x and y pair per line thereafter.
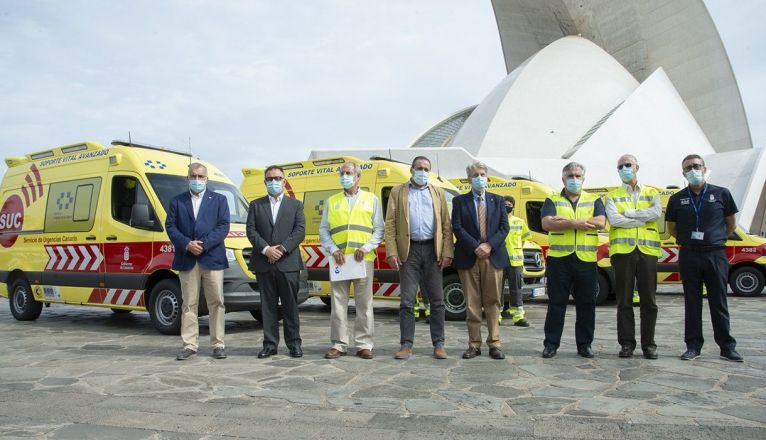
x,y
634,247
276,228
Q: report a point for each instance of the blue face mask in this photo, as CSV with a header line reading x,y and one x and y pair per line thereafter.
x,y
626,174
479,182
574,185
197,186
420,177
274,187
695,177
346,181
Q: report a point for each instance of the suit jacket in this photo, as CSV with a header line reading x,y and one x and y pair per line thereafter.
x,y
465,226
211,227
397,233
288,231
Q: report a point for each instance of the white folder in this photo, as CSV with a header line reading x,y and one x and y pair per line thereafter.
x,y
350,270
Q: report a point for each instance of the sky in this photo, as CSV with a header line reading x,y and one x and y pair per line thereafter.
x,y
250,83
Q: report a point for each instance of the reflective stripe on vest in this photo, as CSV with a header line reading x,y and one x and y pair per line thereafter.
x,y
351,229
646,237
582,243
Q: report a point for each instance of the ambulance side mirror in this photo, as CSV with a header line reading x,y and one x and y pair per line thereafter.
x,y
139,217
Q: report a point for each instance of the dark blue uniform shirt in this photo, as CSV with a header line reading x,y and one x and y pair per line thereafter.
x,y
714,203
549,209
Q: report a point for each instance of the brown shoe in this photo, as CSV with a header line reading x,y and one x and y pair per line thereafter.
x,y
334,354
471,352
404,353
440,353
364,353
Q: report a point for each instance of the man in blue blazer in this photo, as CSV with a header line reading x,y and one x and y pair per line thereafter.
x,y
197,224
480,224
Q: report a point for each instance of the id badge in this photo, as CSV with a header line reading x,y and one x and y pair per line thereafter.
x,y
698,235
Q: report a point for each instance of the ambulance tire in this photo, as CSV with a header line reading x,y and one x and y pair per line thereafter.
x,y
454,298
326,300
165,306
258,315
121,311
747,281
24,307
602,289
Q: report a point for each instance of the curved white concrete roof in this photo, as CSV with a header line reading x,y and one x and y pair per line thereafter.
x,y
642,35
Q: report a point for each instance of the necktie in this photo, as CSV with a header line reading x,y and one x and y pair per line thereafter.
x,y
482,220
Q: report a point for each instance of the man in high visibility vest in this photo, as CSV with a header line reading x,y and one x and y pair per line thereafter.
x,y
514,244
634,247
572,219
352,227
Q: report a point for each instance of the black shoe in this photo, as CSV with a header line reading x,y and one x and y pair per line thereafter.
x,y
266,352
549,351
186,353
219,353
496,353
296,352
626,352
650,353
731,355
521,323
690,354
585,351
471,352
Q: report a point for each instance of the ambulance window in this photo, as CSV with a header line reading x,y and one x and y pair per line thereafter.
x,y
534,219
71,205
127,191
385,193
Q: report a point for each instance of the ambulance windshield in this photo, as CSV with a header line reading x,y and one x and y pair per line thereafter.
x,y
168,186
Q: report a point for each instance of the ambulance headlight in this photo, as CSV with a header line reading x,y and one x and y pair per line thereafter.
x,y
230,255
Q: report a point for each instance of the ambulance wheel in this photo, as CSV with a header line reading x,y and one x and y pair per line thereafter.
x,y
24,307
258,314
121,311
747,281
326,300
454,298
165,307
602,289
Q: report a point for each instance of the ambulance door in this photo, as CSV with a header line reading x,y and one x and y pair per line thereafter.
x,y
72,241
130,226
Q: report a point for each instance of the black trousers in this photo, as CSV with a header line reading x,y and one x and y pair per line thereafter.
x,y
712,269
565,275
279,287
641,269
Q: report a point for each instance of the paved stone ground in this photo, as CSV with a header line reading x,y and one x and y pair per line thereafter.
x,y
81,373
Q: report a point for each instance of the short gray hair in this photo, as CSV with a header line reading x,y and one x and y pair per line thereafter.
x,y
572,165
196,166
630,157
357,171
476,165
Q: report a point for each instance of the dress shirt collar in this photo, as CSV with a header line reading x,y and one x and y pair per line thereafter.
x,y
197,196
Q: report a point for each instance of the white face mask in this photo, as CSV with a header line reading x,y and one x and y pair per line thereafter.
x,y
695,177
346,181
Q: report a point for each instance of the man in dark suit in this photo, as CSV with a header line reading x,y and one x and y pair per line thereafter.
x,y
276,227
480,225
197,224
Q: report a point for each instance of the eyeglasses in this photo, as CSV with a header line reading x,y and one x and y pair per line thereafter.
x,y
275,178
624,165
694,166
509,206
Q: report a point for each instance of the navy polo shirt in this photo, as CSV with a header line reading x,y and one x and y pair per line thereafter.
x,y
549,209
715,203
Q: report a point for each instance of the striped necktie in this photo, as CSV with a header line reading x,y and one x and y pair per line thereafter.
x,y
482,219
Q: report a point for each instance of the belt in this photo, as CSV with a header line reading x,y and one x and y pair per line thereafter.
x,y
431,241
695,248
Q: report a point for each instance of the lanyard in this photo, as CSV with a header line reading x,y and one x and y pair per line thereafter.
x,y
697,208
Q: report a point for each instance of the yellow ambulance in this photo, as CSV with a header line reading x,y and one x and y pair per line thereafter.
x,y
530,196
84,224
746,253
313,181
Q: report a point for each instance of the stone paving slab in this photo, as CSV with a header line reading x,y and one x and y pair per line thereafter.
x,y
88,373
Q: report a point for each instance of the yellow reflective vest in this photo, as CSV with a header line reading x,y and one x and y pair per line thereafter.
x,y
350,228
583,243
514,241
647,237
